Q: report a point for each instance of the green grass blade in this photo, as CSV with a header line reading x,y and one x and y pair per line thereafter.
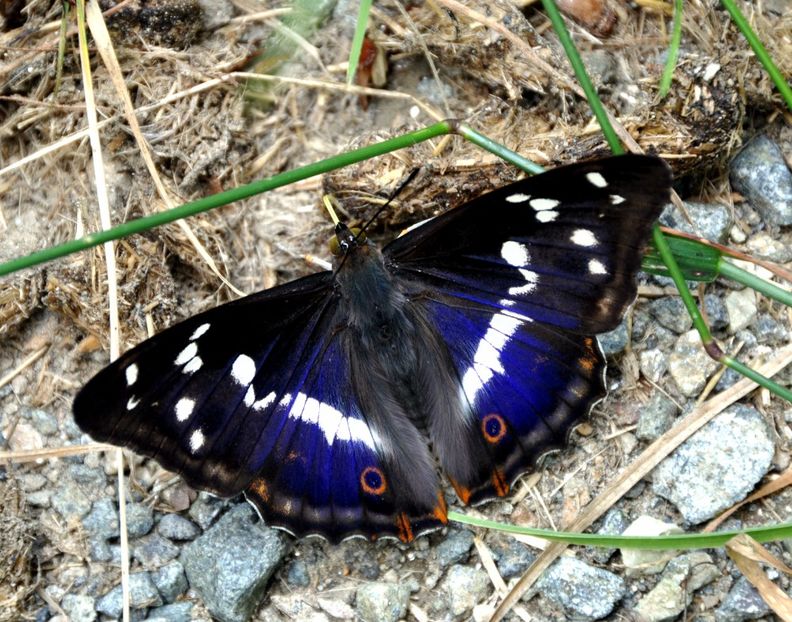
x,y
673,51
771,290
224,198
499,150
768,533
760,51
580,71
696,261
357,40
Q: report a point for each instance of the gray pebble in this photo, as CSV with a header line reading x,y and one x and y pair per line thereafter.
x,y
142,593
176,612
171,581
512,557
43,421
653,363
615,341
70,501
80,608
40,498
140,519
99,550
674,591
30,482
728,378
768,330
760,174
614,523
671,313
102,521
175,527
772,247
689,365
718,466
92,480
205,510
231,563
297,574
741,308
464,588
712,220
153,551
382,602
454,548
585,592
742,602
716,312
656,417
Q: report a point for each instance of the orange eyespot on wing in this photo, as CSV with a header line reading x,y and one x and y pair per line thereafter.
x,y
493,427
372,481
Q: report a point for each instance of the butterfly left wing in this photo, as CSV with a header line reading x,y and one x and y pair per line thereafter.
x,y
516,282
255,396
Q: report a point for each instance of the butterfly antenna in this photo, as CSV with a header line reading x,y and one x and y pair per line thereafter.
x,y
395,194
330,204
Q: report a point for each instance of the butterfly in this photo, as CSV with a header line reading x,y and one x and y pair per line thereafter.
x,y
466,346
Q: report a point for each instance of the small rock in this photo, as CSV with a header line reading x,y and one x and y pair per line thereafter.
x,y
741,308
613,524
674,592
140,519
231,563
70,501
177,612
92,480
454,548
142,593
102,521
585,592
216,13
512,557
742,602
689,365
465,587
336,608
615,341
712,220
382,602
100,551
760,174
153,551
25,438
770,247
80,608
206,509
40,498
716,312
671,313
653,364
44,422
175,527
718,466
30,482
646,561
728,378
656,417
768,330
170,581
297,574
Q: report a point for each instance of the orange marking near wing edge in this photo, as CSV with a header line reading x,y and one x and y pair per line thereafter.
x,y
462,492
259,487
405,530
501,487
440,511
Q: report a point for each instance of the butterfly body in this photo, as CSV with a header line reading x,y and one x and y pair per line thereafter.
x,y
464,347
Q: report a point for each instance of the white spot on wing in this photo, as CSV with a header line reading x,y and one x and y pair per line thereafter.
x,y
197,439
264,401
531,279
243,370
596,180
544,204
548,216
193,366
132,403
583,237
184,408
199,331
518,198
332,422
185,355
131,373
595,266
615,199
250,397
515,254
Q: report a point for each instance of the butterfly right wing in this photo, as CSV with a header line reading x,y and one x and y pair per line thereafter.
x,y
254,396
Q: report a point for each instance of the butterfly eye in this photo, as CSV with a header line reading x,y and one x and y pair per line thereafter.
x,y
335,247
360,235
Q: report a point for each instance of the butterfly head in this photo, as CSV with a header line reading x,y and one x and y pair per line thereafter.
x,y
346,240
